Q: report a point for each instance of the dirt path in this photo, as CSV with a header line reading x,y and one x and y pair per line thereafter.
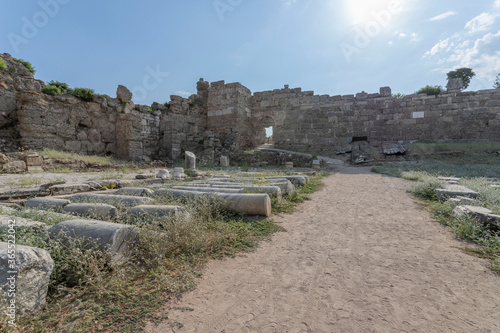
x,y
362,256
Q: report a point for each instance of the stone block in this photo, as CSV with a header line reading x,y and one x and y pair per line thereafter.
x,y
97,210
118,239
146,176
123,94
64,189
27,271
14,167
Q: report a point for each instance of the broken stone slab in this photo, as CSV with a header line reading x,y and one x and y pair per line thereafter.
x,y
245,203
157,211
344,150
47,203
450,180
450,191
98,210
316,164
209,189
481,214
394,149
146,176
285,185
27,272
462,200
118,239
19,193
178,173
112,199
69,189
135,191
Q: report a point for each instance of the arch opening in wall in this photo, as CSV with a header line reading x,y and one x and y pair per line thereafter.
x,y
265,131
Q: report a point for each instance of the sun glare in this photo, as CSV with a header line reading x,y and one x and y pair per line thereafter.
x,y
361,11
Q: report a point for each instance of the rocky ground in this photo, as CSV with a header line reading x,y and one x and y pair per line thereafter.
x,y
361,256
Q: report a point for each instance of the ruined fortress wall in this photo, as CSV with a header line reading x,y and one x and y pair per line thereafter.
x,y
312,123
225,118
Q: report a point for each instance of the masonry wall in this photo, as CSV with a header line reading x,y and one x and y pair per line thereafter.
x,y
311,123
222,119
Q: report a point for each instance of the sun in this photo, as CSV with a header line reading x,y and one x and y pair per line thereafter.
x,y
362,11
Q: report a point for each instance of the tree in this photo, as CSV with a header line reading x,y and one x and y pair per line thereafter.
x,y
497,82
464,73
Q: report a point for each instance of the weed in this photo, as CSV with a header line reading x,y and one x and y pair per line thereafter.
x,y
51,90
26,181
3,65
26,64
84,94
63,170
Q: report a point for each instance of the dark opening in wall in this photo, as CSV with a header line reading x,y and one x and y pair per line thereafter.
x,y
359,138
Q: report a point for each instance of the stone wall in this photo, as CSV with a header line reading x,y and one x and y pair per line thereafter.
x,y
223,119
320,124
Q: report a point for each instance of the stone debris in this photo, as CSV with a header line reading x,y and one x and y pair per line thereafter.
x,y
135,191
146,176
178,173
481,214
19,223
394,149
316,164
450,191
344,150
118,239
33,267
450,180
14,167
163,174
94,210
47,203
462,200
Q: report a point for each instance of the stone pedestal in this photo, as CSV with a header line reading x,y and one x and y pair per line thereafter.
x,y
224,161
316,164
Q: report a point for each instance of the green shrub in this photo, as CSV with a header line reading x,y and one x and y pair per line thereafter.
x,y
425,190
430,90
60,85
26,64
398,95
84,94
51,90
496,84
3,65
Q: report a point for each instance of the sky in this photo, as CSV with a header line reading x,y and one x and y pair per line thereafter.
x,y
159,48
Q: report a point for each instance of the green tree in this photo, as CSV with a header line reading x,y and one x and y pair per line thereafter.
x,y
463,73
497,82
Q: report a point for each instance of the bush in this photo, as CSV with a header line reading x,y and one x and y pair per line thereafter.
x,y
83,93
425,190
430,90
26,64
61,85
3,65
51,90
496,84
398,95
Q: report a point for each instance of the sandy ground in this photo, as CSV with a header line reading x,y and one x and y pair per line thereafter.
x,y
362,256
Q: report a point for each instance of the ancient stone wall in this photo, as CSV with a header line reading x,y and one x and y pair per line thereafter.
x,y
222,119
320,124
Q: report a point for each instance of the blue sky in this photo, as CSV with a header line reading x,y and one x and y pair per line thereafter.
x,y
158,47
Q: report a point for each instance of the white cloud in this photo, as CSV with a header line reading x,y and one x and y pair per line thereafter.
x,y
481,54
497,4
443,16
481,22
183,93
415,37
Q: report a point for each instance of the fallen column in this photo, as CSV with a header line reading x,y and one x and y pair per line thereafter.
x,y
157,211
134,191
118,239
112,199
47,203
272,191
97,210
245,203
209,189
